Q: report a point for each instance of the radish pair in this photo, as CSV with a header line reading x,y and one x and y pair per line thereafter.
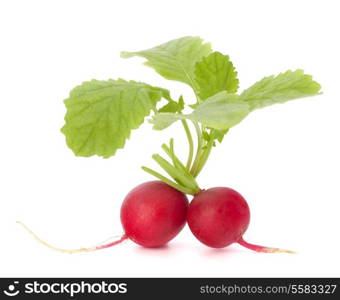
x,y
153,213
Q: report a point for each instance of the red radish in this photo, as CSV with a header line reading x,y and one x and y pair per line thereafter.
x,y
219,217
152,214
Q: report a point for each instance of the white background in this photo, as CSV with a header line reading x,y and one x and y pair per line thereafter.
x,y
284,159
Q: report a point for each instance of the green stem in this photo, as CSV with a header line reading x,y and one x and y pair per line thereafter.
x,y
204,157
199,134
176,174
199,149
175,160
169,182
191,144
177,163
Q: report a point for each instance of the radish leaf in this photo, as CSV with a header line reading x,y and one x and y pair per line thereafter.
x,y
173,106
281,88
221,111
163,120
175,60
215,73
101,114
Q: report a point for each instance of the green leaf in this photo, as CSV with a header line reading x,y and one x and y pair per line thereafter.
x,y
173,106
281,88
221,111
175,60
180,103
215,73
101,114
161,120
219,134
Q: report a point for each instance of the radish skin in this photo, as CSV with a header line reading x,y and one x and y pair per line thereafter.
x,y
153,213
218,217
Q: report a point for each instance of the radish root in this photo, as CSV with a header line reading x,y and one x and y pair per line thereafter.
x,y
263,249
71,251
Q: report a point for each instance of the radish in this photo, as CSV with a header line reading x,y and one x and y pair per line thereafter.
x,y
219,217
101,114
152,214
